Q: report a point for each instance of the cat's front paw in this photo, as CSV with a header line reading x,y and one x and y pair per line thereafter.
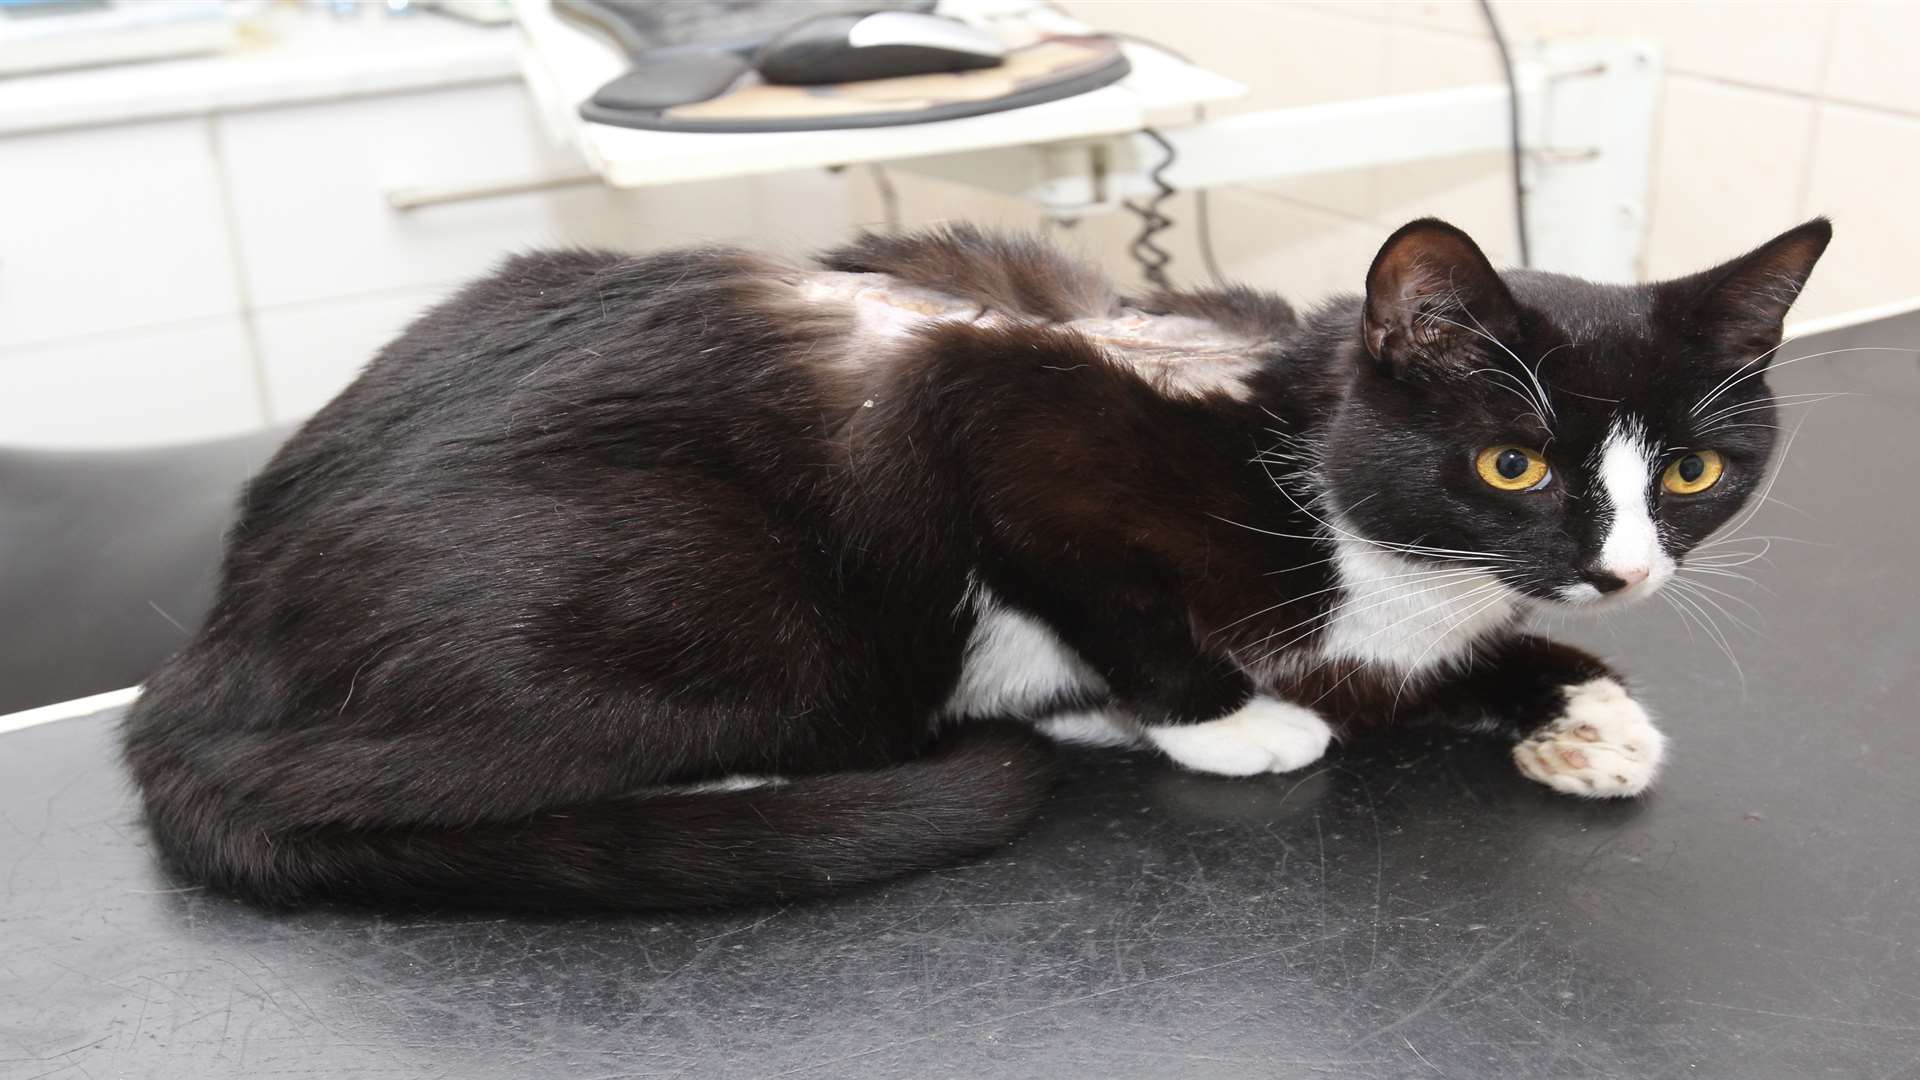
x,y
1602,745
1266,735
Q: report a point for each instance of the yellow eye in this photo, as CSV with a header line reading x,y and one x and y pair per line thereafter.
x,y
1693,472
1512,468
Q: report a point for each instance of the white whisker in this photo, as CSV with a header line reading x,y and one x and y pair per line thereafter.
x,y
1414,668
1338,586
1713,632
1454,577
1697,585
1497,597
1732,382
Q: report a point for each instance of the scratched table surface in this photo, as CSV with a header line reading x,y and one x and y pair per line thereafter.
x,y
1405,911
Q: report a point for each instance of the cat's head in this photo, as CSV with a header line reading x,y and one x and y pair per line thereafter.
x,y
1579,439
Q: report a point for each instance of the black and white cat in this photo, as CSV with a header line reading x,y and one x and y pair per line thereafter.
x,y
516,618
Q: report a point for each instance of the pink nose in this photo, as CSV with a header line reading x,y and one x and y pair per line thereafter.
x,y
1612,579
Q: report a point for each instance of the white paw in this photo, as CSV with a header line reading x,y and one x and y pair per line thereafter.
x,y
1265,735
1090,728
1602,745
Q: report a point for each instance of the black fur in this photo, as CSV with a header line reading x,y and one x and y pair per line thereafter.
x,y
603,524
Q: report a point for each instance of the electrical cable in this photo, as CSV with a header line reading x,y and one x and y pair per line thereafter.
x,y
1513,132
1153,258
889,197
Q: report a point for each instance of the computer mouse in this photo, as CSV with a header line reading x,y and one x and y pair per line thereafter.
x,y
852,48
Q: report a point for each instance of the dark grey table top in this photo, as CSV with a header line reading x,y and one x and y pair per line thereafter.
x,y
1412,911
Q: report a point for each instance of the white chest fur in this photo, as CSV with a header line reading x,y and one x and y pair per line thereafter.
x,y
1014,664
1409,616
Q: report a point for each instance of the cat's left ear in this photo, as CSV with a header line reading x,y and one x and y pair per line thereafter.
x,y
1434,302
1739,308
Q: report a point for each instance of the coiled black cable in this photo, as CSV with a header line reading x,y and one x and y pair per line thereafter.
x,y
1153,258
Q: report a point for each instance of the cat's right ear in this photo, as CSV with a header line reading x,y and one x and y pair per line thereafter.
x,y
1739,308
1434,302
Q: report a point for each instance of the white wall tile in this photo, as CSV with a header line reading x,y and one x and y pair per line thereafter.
x,y
310,352
1863,168
1531,20
1473,191
1459,17
1768,44
178,383
1871,58
926,201
1521,20
798,212
1419,60
1359,10
1286,54
1297,251
1302,254
1728,169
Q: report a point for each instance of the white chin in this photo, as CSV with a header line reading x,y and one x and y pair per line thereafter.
x,y
1586,596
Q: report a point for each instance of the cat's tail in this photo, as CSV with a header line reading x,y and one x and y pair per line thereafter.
x,y
785,840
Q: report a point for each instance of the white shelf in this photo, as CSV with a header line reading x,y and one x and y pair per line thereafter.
x,y
564,65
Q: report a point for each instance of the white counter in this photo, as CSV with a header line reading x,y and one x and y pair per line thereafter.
x,y
287,57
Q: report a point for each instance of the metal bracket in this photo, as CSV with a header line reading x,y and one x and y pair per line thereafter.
x,y
1587,130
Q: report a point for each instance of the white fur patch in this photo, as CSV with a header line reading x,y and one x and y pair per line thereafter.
x,y
1014,664
1603,745
884,309
1266,735
1090,729
1178,355
1407,615
1632,545
726,783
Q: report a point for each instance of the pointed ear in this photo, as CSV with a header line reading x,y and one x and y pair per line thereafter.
x,y
1739,307
1433,300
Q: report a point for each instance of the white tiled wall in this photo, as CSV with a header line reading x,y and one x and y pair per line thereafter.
x,y
181,280
1771,112
255,266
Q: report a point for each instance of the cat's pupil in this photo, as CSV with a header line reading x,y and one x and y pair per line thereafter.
x,y
1691,467
1512,464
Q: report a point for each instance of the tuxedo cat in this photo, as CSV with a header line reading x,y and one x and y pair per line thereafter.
x,y
705,576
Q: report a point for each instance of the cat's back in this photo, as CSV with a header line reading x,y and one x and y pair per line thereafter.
x,y
555,365
517,446
554,465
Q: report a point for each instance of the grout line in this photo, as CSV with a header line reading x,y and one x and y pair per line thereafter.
x,y
40,344
1255,191
1814,98
67,710
1818,96
443,289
